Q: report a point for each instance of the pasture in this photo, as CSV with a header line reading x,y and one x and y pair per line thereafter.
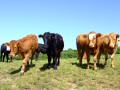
x,y
69,76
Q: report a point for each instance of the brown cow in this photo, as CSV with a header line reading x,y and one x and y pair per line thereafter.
x,y
106,44
85,43
26,47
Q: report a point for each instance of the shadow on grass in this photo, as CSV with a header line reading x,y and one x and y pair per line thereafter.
x,y
84,66
46,67
19,69
9,61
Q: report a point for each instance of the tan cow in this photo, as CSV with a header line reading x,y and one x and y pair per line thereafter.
x,y
106,44
26,47
86,44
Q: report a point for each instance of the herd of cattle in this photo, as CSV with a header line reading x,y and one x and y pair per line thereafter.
x,y
92,42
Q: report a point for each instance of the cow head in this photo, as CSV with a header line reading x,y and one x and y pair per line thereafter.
x,y
8,46
93,39
46,38
13,47
113,39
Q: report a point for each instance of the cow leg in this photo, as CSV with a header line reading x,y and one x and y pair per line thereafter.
x,y
88,59
25,62
56,62
3,57
32,56
7,57
28,64
11,58
49,61
53,61
95,62
36,56
106,57
96,58
112,59
31,60
80,53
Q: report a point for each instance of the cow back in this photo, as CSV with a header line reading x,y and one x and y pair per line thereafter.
x,y
28,43
58,40
82,40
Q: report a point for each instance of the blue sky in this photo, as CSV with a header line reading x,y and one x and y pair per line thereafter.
x,y
19,18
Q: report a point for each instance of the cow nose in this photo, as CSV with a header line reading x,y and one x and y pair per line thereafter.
x,y
112,45
91,45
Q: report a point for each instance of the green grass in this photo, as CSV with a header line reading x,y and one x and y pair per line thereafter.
x,y
69,76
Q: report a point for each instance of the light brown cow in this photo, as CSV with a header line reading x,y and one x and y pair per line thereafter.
x,y
26,47
86,44
106,44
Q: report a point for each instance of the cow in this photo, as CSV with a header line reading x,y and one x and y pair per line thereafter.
x,y
5,51
85,44
41,49
26,47
55,44
106,44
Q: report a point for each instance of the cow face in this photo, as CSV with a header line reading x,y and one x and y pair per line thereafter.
x,y
93,39
14,48
113,39
47,38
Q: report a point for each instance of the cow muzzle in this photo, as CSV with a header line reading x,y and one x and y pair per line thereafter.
x,y
91,45
112,45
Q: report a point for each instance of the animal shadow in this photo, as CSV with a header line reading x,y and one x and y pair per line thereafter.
x,y
46,67
16,71
19,69
84,66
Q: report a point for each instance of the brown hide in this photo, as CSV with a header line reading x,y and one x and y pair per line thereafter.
x,y
26,47
106,44
82,42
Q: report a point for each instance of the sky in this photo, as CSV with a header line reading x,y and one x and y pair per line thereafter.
x,y
69,18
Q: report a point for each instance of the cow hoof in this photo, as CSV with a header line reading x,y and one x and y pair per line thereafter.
x,y
113,66
55,68
22,72
105,64
48,66
88,67
58,64
95,68
80,63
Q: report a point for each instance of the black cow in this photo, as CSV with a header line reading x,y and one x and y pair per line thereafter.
x,y
5,51
55,44
41,49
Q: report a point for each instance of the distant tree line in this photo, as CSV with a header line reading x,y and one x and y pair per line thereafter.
x,y
71,53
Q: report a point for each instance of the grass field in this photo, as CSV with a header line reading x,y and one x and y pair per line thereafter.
x,y
69,76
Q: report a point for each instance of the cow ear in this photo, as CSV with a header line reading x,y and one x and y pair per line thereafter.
x,y
98,35
40,36
117,36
